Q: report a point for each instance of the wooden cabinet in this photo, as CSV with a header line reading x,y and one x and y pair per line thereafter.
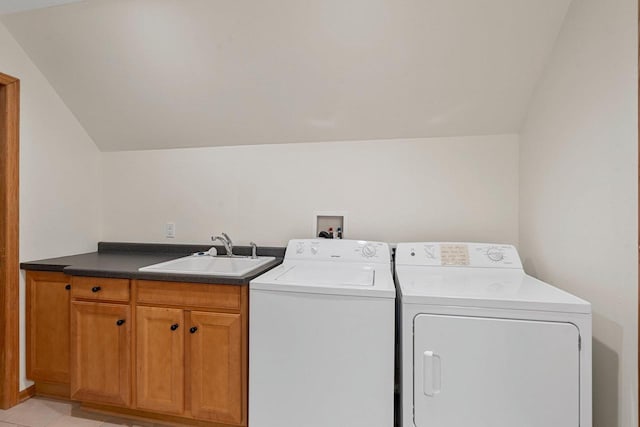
x,y
204,297
100,354
199,370
160,359
215,348
168,350
100,289
47,326
101,340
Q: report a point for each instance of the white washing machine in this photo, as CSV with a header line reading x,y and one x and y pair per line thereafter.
x,y
321,337
485,345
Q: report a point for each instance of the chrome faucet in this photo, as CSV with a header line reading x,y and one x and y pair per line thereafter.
x,y
226,241
254,250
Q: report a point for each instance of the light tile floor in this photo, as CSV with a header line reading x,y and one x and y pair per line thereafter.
x,y
41,412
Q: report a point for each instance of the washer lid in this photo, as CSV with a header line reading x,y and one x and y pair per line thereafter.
x,y
483,288
336,275
330,278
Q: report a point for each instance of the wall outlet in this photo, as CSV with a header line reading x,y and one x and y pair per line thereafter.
x,y
170,230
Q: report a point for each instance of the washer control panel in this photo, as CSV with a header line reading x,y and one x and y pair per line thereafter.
x,y
450,254
338,250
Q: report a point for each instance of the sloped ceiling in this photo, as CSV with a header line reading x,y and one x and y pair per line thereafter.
x,y
12,6
149,74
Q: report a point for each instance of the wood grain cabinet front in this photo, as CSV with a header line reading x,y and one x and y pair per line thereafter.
x,y
100,353
216,377
100,289
47,296
191,350
164,350
160,335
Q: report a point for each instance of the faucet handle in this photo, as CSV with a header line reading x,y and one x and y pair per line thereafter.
x,y
226,236
254,250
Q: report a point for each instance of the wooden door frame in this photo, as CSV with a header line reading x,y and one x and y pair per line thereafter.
x,y
9,243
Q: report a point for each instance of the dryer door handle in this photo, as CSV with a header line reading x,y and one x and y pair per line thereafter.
x,y
432,373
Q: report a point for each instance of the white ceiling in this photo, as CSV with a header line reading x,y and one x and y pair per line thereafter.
x,y
12,6
149,74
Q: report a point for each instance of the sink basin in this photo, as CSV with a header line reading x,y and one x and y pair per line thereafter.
x,y
209,266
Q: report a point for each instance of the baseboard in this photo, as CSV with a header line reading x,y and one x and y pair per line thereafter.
x,y
57,390
27,393
136,414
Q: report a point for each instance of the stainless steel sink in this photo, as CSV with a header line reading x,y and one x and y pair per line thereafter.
x,y
209,265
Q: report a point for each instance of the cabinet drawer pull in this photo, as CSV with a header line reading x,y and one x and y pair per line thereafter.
x,y
96,289
193,329
120,322
68,286
174,326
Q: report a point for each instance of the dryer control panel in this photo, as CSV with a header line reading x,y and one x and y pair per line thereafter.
x,y
451,254
338,250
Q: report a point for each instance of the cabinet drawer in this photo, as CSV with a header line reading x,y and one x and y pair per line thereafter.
x,y
100,289
226,297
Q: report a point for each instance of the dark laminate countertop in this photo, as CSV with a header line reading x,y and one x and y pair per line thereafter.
x,y
122,260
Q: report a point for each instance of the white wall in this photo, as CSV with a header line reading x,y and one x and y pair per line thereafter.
x,y
395,190
59,172
578,189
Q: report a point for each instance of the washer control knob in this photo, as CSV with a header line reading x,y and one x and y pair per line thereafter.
x,y
300,248
314,250
495,254
368,250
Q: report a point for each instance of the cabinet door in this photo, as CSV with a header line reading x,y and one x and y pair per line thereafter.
x,y
215,356
100,353
160,359
48,327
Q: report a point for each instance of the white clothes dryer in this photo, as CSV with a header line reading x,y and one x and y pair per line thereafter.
x,y
321,337
483,344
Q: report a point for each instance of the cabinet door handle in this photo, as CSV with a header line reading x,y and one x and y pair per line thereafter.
x,y
96,289
174,326
193,329
120,322
68,286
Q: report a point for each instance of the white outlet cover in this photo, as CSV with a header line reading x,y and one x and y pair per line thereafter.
x,y
170,230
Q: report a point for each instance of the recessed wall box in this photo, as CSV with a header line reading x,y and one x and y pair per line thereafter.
x,y
330,222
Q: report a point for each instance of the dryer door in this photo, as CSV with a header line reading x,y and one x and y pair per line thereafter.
x,y
486,372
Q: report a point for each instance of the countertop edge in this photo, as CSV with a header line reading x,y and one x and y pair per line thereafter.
x,y
36,266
